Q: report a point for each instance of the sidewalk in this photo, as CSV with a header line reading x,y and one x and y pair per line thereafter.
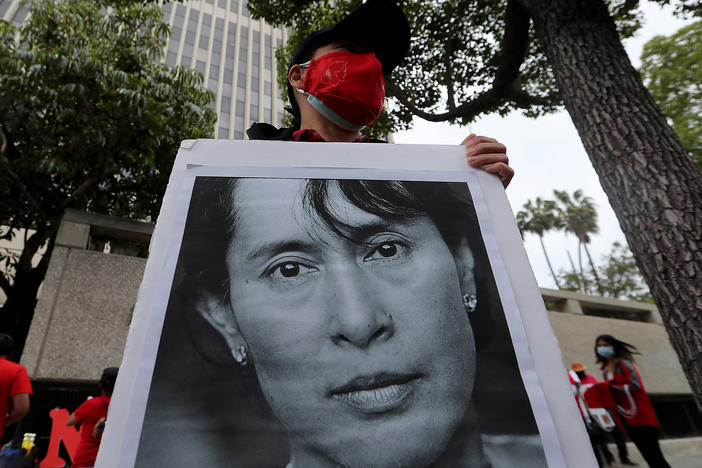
x,y
680,453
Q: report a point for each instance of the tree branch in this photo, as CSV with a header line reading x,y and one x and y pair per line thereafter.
x,y
5,164
448,52
515,44
473,107
5,285
87,184
505,85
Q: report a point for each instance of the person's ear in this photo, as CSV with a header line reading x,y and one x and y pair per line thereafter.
x,y
219,315
296,76
465,264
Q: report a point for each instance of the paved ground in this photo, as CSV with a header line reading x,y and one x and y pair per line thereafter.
x,y
680,453
681,461
676,461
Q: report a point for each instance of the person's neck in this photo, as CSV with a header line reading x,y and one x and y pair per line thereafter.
x,y
328,130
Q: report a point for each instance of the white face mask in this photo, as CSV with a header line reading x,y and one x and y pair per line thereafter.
x,y
605,351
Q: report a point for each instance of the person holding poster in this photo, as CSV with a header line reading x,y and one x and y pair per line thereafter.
x,y
336,84
354,314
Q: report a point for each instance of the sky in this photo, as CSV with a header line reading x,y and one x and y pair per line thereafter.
x,y
547,154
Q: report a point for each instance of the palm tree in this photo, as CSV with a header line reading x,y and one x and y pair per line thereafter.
x,y
538,218
580,218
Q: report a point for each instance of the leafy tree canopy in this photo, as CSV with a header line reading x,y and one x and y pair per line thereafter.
x,y
618,273
672,71
89,119
467,57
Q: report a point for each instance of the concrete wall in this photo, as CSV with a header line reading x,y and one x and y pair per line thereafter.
x,y
82,318
85,306
658,364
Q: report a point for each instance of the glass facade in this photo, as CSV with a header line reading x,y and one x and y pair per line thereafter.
x,y
233,52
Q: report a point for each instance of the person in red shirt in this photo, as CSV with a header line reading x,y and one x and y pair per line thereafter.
x,y
88,415
632,402
15,386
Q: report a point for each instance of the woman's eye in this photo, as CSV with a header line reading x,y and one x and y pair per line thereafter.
x,y
386,250
290,270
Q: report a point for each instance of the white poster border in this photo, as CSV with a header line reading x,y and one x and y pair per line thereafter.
x,y
554,411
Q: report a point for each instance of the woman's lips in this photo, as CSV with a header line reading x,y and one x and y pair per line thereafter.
x,y
379,393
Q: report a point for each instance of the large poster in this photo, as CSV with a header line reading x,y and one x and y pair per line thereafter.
x,y
305,315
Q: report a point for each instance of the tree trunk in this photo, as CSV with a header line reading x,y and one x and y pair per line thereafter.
x,y
548,262
652,183
598,283
17,312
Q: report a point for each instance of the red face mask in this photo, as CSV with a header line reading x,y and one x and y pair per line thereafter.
x,y
346,88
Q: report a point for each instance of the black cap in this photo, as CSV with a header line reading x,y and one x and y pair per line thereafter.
x,y
379,24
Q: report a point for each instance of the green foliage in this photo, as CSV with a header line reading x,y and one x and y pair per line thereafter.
x,y
578,213
671,68
89,119
83,100
539,217
618,273
455,55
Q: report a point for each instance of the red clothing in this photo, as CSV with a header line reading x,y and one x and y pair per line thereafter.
x,y
579,390
630,396
13,381
87,415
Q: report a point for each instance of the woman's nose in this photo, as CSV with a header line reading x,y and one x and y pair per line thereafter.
x,y
357,315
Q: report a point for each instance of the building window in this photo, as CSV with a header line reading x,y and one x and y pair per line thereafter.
x,y
200,66
205,31
239,111
222,4
253,112
234,6
224,119
190,37
171,58
223,133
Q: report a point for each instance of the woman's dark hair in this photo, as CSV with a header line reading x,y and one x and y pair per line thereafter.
x,y
212,218
622,349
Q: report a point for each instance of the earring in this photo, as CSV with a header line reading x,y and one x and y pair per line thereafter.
x,y
241,355
470,302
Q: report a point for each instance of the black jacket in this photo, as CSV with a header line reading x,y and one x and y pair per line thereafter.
x,y
266,131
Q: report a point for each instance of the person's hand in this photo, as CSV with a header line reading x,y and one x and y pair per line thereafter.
x,y
489,155
99,428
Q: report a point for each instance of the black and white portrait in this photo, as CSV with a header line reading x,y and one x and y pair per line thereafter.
x,y
335,323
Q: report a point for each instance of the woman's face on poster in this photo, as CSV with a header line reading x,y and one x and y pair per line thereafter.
x,y
362,346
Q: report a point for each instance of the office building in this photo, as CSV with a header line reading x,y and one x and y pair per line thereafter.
x,y
234,53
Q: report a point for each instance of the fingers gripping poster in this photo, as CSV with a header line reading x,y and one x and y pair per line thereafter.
x,y
324,305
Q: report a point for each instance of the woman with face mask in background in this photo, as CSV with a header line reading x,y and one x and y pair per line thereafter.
x,y
633,405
